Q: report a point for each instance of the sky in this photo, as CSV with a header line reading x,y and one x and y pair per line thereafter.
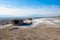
x,y
29,8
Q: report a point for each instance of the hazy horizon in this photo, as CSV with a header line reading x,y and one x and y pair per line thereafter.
x,y
29,8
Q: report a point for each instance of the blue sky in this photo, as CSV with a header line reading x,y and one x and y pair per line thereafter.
x,y
29,8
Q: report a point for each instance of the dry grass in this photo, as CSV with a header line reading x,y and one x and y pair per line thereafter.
x,y
36,33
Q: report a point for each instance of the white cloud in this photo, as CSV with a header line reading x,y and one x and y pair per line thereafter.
x,y
44,11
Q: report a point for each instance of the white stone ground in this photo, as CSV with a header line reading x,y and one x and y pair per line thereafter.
x,y
47,21
4,26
